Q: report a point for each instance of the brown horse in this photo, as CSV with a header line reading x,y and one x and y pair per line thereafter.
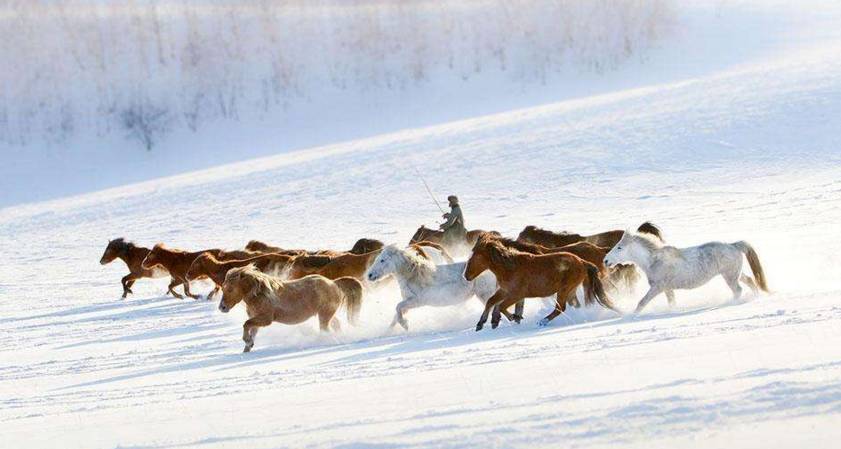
x,y
333,267
269,299
608,239
133,256
265,248
436,236
206,265
177,262
586,251
522,275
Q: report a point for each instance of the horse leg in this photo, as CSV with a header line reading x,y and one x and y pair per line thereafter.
x,y
747,280
670,295
504,305
213,292
127,281
732,280
335,326
325,318
652,292
497,298
560,307
174,283
186,284
518,310
402,307
249,330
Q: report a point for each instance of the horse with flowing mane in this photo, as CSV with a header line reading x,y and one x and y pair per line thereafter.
x,y
522,275
423,283
269,299
669,268
333,267
133,256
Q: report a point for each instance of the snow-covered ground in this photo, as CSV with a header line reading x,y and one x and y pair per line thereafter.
x,y
748,150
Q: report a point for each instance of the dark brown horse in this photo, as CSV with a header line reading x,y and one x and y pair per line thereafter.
x,y
177,262
206,265
265,248
608,239
522,275
435,236
133,256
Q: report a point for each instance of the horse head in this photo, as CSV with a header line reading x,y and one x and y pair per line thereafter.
x,y
384,264
240,283
115,248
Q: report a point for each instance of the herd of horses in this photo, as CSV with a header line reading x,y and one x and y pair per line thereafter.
x,y
291,286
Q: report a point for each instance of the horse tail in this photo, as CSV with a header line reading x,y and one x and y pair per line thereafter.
x,y
593,288
352,290
755,266
651,229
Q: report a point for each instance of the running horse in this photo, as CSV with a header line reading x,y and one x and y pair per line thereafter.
x,y
133,256
436,236
521,275
550,239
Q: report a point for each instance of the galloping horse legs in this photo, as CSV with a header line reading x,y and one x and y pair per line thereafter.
x,y
563,297
213,292
402,307
497,298
172,284
503,306
128,281
670,295
249,330
652,292
186,284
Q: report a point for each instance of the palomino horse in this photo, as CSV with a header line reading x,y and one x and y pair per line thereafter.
x,y
669,268
533,234
208,266
522,275
422,283
269,299
133,256
435,236
177,263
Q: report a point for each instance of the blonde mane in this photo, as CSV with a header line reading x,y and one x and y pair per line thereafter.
x,y
649,241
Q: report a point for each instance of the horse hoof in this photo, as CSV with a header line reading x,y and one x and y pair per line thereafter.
x,y
543,323
494,325
247,348
479,327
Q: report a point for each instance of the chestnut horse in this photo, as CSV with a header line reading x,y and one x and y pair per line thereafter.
x,y
521,275
364,245
133,256
333,267
587,251
269,299
208,266
436,236
177,262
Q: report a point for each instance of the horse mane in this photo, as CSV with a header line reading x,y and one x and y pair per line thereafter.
x,y
499,253
265,285
414,266
121,245
521,246
649,241
651,229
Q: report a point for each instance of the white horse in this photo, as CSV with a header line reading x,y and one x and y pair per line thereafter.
x,y
669,268
422,283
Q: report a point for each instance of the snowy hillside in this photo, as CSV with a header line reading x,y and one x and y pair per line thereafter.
x,y
739,140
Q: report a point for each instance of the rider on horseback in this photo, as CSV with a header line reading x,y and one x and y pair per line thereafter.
x,y
455,234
